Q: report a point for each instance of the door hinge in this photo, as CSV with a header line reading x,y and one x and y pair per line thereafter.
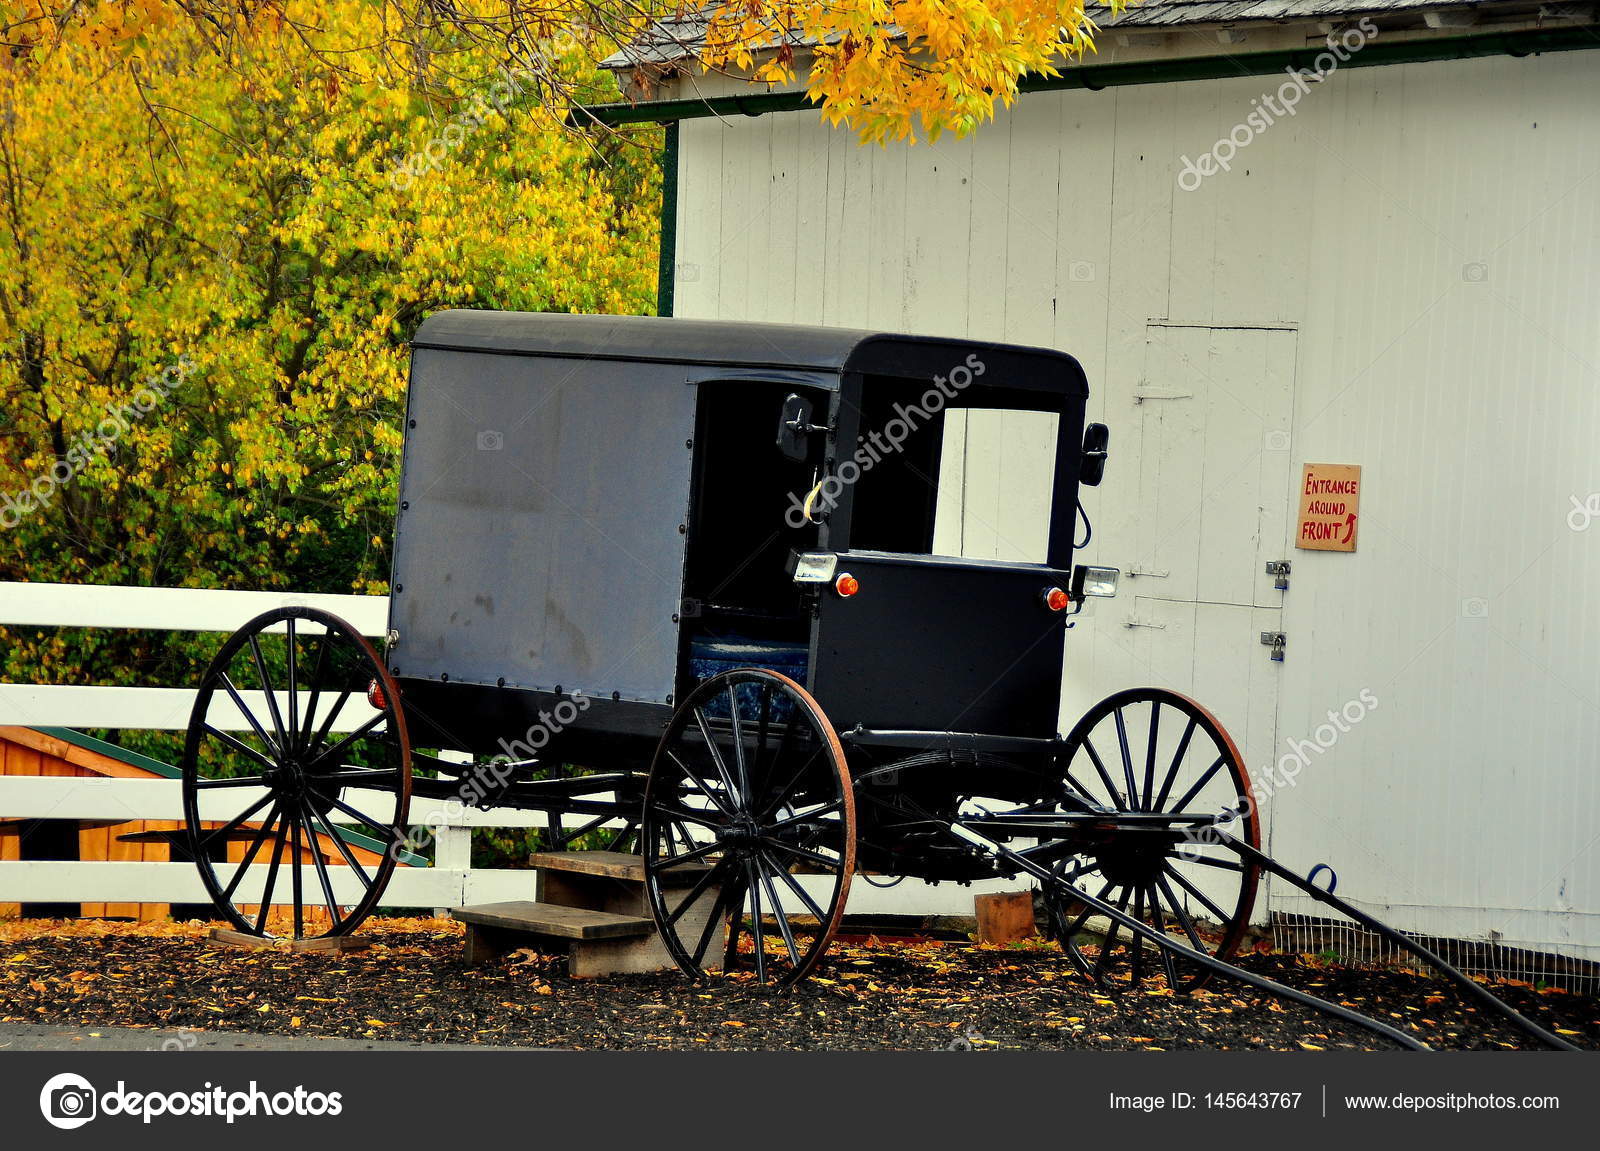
x,y
1280,569
1277,641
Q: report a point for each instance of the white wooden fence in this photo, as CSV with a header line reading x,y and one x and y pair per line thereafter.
x,y
450,882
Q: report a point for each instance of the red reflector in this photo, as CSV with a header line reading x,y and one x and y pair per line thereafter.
x,y
846,585
375,695
1057,600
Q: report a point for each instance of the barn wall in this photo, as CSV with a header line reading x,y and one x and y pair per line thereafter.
x,y
1424,242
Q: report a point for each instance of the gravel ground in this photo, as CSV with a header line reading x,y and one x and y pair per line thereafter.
x,y
411,985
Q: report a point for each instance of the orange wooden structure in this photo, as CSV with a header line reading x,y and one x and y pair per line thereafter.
x,y
63,752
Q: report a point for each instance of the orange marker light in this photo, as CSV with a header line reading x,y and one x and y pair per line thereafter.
x,y
1057,600
375,695
846,585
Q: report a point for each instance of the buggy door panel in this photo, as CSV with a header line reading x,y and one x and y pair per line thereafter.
x,y
938,644
539,538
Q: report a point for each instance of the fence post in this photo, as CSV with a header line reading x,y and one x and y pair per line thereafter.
x,y
452,851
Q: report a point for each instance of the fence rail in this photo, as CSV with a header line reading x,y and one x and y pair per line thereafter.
x,y
450,882
156,609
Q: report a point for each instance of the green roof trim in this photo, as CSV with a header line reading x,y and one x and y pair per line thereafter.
x,y
1415,50
167,771
121,754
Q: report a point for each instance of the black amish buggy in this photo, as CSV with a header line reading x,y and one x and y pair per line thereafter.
x,y
675,584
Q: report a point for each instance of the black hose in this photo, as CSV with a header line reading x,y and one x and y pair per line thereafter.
x,y
1459,978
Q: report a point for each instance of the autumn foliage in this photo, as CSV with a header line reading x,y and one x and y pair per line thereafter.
x,y
259,222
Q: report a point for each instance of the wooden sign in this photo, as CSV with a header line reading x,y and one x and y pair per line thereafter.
x,y
1330,507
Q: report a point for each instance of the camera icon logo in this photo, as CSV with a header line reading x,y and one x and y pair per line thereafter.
x,y
491,441
1475,608
1080,271
1476,272
1277,440
68,1101
1585,513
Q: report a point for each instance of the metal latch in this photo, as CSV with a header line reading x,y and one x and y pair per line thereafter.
x,y
1277,641
1143,391
1279,568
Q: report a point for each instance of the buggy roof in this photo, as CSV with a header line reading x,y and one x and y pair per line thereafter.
x,y
740,344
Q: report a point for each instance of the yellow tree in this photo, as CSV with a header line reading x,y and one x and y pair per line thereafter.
x,y
211,255
888,68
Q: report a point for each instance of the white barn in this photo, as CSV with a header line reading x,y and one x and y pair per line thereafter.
x,y
1395,266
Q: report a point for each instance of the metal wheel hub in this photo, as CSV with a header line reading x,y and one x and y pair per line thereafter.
x,y
1134,859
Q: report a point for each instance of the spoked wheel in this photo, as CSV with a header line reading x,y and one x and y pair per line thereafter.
x,y
1155,751
269,785
749,828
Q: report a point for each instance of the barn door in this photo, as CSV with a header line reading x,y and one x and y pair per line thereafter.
x,y
1212,413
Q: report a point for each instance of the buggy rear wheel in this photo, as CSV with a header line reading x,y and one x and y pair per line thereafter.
x,y
1150,750
754,771
269,786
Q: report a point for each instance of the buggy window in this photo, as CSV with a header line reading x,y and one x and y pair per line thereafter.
x,y
970,481
996,475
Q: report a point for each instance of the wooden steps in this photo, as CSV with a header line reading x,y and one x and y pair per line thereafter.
x,y
554,920
590,906
607,865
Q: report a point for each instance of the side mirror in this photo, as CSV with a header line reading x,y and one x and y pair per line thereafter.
x,y
795,427
1096,437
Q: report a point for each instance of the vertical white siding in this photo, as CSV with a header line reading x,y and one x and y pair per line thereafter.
x,y
1468,800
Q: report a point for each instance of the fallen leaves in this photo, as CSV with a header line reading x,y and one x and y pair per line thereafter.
x,y
412,985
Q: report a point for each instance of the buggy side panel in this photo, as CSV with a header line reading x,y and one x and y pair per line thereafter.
x,y
539,539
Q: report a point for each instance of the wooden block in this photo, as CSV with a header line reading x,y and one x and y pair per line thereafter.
x,y
340,943
227,937
1005,917
336,943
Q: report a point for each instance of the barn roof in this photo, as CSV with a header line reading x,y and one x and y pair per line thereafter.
x,y
680,38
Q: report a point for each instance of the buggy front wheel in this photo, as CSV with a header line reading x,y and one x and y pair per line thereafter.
x,y
749,829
